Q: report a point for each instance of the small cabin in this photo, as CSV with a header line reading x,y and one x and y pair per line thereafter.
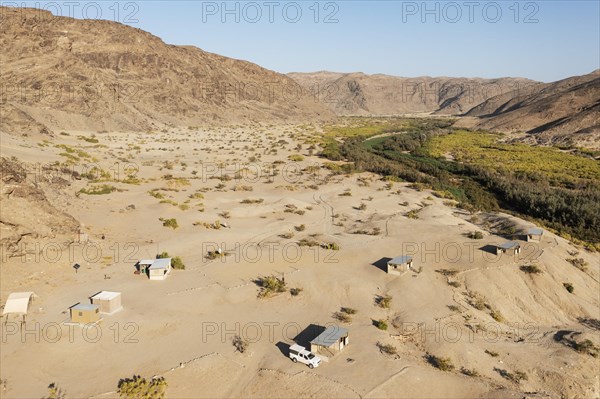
x,y
509,248
85,313
534,234
160,269
399,264
108,301
330,342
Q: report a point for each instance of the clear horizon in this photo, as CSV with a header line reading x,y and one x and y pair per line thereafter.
x,y
544,40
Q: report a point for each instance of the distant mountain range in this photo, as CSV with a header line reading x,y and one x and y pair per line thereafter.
x,y
564,112
61,73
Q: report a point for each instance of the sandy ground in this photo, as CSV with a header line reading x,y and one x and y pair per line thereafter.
x,y
181,328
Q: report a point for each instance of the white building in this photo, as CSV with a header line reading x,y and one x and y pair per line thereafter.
x,y
160,269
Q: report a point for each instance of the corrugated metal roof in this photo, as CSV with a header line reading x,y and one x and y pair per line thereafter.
x,y
400,260
162,263
509,245
330,336
146,261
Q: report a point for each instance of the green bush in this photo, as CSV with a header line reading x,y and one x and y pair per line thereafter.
x,y
172,223
569,287
176,261
139,388
381,324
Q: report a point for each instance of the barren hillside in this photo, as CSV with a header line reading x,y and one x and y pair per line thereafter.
x,y
564,112
64,73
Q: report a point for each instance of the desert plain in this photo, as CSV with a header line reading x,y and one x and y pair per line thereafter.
x,y
262,195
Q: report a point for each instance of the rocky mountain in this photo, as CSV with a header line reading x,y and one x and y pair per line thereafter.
x,y
27,219
361,94
65,73
566,112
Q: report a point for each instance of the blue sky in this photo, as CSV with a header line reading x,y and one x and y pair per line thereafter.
x,y
542,40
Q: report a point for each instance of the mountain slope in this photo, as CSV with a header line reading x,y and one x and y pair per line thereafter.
x,y
63,73
360,94
564,112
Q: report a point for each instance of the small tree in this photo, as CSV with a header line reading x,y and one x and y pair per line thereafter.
x,y
139,388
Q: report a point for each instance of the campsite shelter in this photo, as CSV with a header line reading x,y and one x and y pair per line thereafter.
x,y
509,248
399,264
535,234
160,269
18,303
83,313
108,301
330,341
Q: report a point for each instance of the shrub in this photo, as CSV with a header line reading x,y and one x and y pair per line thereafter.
x,y
332,245
441,363
454,284
99,190
476,235
252,201
492,353
156,194
343,317
569,287
300,228
586,346
413,214
55,392
496,315
308,242
447,272
348,310
240,344
225,214
295,291
579,263
530,269
138,387
387,349
515,377
469,372
296,157
383,301
172,223
270,285
176,261
381,324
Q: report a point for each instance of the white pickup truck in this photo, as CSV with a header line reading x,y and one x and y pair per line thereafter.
x,y
300,354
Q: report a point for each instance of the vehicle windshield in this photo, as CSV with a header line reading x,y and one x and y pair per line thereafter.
x,y
311,356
